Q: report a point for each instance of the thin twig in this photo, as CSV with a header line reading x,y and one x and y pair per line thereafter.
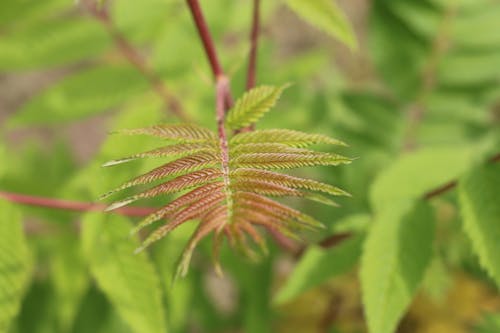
x,y
452,184
206,37
134,57
78,206
210,51
254,43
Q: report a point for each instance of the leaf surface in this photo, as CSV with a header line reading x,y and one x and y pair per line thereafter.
x,y
15,264
327,16
129,281
395,256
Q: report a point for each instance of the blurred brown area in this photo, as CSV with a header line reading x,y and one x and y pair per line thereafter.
x,y
338,304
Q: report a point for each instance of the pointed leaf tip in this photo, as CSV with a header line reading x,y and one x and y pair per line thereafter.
x,y
118,204
116,162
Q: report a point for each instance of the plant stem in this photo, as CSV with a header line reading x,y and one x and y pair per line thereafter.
x,y
210,51
206,37
254,43
71,205
134,57
222,86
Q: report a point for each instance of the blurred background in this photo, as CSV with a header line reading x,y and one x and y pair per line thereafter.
x,y
424,79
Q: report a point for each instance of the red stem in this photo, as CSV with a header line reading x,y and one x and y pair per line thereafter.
x,y
206,37
254,43
72,205
210,51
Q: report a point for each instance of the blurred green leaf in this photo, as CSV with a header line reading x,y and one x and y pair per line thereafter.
x,y
38,309
327,16
141,20
69,277
81,95
128,280
93,313
480,207
14,13
476,25
489,324
369,121
398,52
15,264
413,174
466,69
395,256
318,265
179,297
56,42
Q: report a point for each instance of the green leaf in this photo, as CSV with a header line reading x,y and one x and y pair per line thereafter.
x,y
490,323
479,194
413,174
179,298
395,256
318,265
15,264
398,53
477,28
253,105
56,42
20,13
69,277
81,95
129,281
327,16
464,69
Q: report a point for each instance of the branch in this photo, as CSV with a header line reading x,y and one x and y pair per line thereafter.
x,y
209,46
72,205
254,43
206,37
134,57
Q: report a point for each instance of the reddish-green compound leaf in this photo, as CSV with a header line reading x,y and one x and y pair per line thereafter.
x,y
479,193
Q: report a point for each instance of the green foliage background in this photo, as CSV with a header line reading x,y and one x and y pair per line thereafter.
x,y
415,93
